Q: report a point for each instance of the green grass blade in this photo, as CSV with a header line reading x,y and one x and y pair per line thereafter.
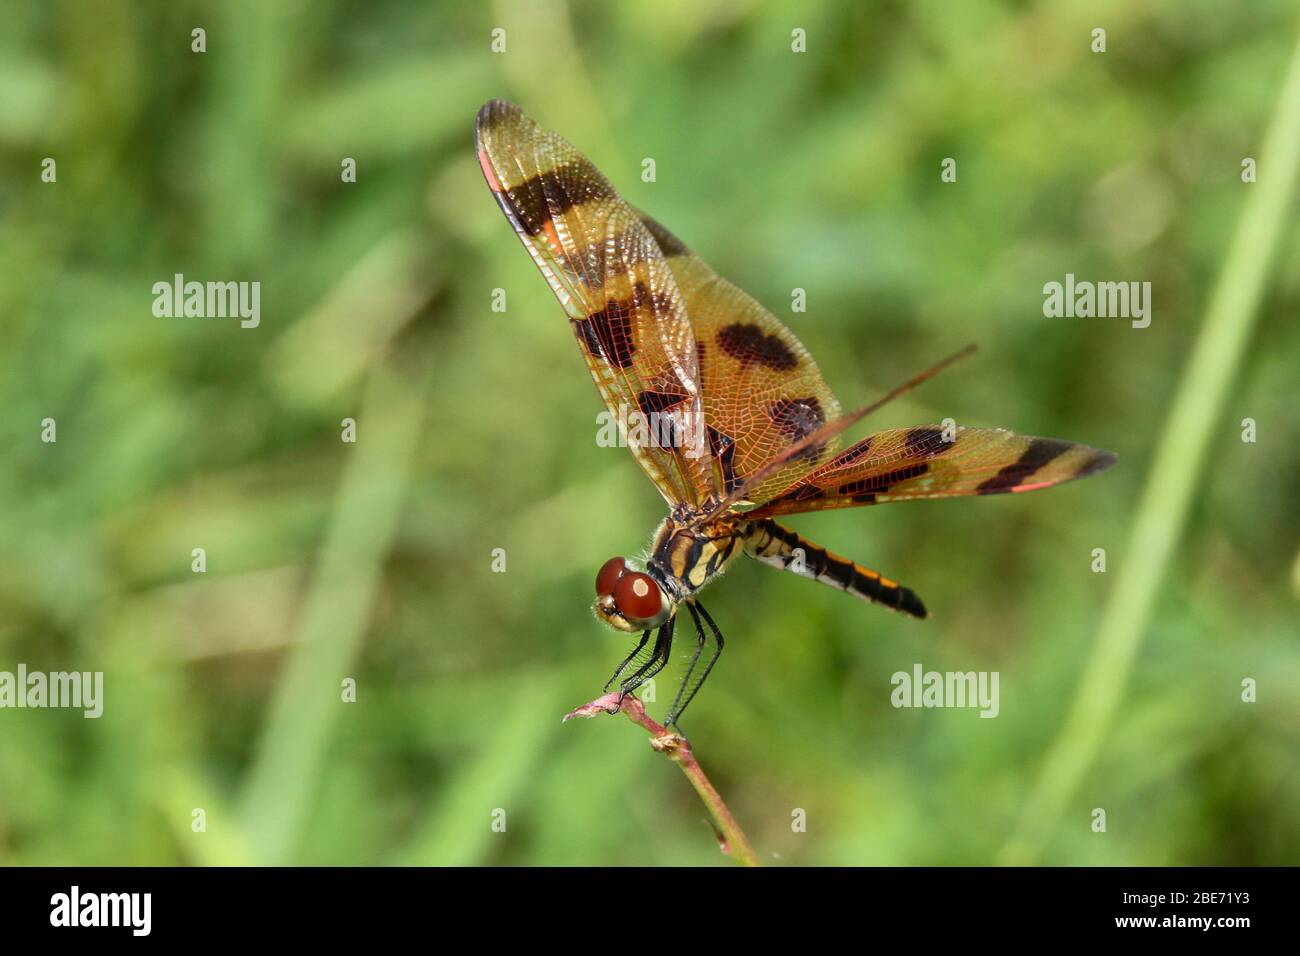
x,y
1176,473
277,791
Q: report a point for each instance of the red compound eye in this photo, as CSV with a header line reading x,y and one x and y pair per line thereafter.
x,y
608,576
637,596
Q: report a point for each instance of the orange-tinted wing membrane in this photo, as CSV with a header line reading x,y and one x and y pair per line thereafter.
x,y
623,303
762,391
902,464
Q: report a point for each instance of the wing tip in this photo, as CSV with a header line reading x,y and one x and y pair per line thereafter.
x,y
494,113
1099,460
491,116
668,243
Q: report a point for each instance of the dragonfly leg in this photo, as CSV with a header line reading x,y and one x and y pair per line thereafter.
x,y
701,639
688,690
627,660
658,658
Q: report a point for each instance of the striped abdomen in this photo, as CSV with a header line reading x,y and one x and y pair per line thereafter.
x,y
772,544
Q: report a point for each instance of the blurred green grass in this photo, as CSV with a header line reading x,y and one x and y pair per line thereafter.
x,y
328,560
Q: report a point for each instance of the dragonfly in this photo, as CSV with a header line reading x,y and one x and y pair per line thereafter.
x,y
723,408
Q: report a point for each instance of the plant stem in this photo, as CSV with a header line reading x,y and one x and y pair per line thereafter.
x,y
1176,474
678,749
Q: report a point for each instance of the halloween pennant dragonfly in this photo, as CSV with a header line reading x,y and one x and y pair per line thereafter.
x,y
746,429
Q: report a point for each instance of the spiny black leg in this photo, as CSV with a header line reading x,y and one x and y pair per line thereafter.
x,y
717,636
627,660
660,659
700,639
635,678
663,647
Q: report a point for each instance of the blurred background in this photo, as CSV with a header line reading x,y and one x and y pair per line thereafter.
x,y
372,560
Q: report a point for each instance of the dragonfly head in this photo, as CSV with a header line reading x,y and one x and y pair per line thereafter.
x,y
629,600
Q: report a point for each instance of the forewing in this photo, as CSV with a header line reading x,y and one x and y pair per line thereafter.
x,y
624,306
761,389
902,464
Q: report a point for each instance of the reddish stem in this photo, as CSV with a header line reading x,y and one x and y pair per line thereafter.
x,y
677,748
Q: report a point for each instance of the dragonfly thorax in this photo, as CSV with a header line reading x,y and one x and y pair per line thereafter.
x,y
685,557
